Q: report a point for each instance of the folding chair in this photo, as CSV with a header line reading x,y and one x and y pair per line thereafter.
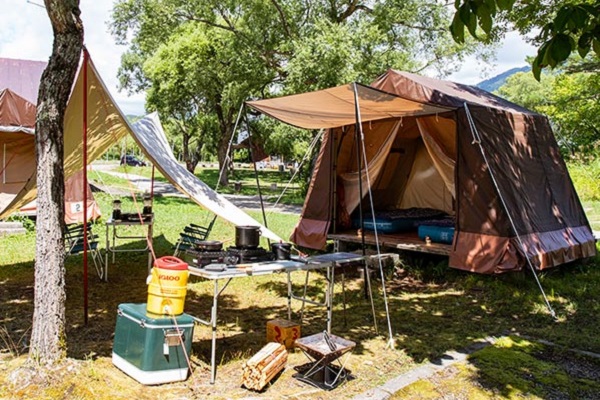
x,y
74,244
191,235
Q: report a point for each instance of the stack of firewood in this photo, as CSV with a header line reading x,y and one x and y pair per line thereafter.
x,y
264,365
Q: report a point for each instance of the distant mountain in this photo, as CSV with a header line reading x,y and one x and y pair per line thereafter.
x,y
494,83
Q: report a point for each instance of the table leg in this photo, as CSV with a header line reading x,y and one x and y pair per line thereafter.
x,y
329,294
304,297
213,317
289,296
106,255
114,242
149,243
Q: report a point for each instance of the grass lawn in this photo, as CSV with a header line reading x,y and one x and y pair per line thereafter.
x,y
272,182
433,310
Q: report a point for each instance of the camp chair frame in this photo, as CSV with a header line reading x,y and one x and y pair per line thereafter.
x,y
192,234
74,244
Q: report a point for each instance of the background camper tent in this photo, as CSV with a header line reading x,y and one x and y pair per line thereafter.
x,y
490,166
19,82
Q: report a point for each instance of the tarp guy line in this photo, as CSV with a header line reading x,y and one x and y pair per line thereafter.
x,y
477,140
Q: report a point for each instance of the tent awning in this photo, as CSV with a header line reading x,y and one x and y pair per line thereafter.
x,y
333,107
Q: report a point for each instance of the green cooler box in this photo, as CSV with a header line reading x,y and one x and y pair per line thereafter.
x,y
148,347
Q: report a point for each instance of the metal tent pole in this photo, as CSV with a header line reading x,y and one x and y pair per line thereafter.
x,y
262,205
360,139
85,186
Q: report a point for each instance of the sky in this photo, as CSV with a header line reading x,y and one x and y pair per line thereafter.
x,y
27,34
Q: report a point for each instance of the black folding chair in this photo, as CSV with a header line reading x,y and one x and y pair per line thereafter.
x,y
192,234
74,244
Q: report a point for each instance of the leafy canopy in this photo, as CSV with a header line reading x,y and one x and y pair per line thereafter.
x,y
565,26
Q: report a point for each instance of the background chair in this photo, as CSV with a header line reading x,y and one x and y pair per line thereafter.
x,y
74,244
191,235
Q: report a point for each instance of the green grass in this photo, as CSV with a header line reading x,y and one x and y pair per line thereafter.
x,y
433,310
272,182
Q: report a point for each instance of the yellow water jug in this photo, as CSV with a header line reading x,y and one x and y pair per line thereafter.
x,y
167,286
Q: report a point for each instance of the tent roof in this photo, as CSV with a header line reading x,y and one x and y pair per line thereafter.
x,y
442,93
16,113
22,77
333,107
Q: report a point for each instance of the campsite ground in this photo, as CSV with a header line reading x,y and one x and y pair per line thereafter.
x,y
434,311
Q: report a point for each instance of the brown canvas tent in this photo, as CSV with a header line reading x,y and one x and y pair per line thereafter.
x,y
494,165
19,81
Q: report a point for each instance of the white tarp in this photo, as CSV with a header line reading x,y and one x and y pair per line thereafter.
x,y
149,135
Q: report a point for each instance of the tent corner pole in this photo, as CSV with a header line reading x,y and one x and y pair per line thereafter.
x,y
358,140
262,204
85,186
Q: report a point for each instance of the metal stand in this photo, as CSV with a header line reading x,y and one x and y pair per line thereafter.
x,y
326,368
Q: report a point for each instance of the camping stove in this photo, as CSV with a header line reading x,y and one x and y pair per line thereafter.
x,y
201,258
245,255
231,256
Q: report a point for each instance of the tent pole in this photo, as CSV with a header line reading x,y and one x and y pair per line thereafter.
x,y
477,140
85,186
262,205
237,121
333,182
359,139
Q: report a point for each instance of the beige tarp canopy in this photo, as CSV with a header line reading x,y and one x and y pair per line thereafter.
x,y
330,108
106,125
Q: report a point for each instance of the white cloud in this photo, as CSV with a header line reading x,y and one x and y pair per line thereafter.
x,y
511,54
27,34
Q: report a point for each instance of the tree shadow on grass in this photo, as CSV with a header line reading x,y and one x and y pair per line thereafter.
x,y
428,317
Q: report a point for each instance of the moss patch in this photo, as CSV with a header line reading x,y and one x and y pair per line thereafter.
x,y
513,368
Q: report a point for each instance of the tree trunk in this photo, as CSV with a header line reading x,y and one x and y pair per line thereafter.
x,y
48,331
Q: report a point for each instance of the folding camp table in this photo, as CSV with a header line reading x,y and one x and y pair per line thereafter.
x,y
111,246
217,272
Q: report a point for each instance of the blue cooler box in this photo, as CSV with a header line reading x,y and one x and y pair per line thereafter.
x,y
437,234
149,347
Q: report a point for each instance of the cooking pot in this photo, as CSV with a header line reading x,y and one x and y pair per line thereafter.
x,y
281,250
247,236
209,245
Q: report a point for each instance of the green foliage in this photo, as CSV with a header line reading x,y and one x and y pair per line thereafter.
x,y
565,27
570,100
27,222
585,176
199,60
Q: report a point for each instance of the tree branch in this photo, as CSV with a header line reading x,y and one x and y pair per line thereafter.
x,y
282,17
352,8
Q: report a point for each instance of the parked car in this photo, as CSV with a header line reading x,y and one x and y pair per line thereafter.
x,y
132,160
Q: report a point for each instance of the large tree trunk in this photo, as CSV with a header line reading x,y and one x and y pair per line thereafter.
x,y
48,331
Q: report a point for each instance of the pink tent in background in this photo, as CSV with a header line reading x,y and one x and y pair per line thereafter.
x,y
19,81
